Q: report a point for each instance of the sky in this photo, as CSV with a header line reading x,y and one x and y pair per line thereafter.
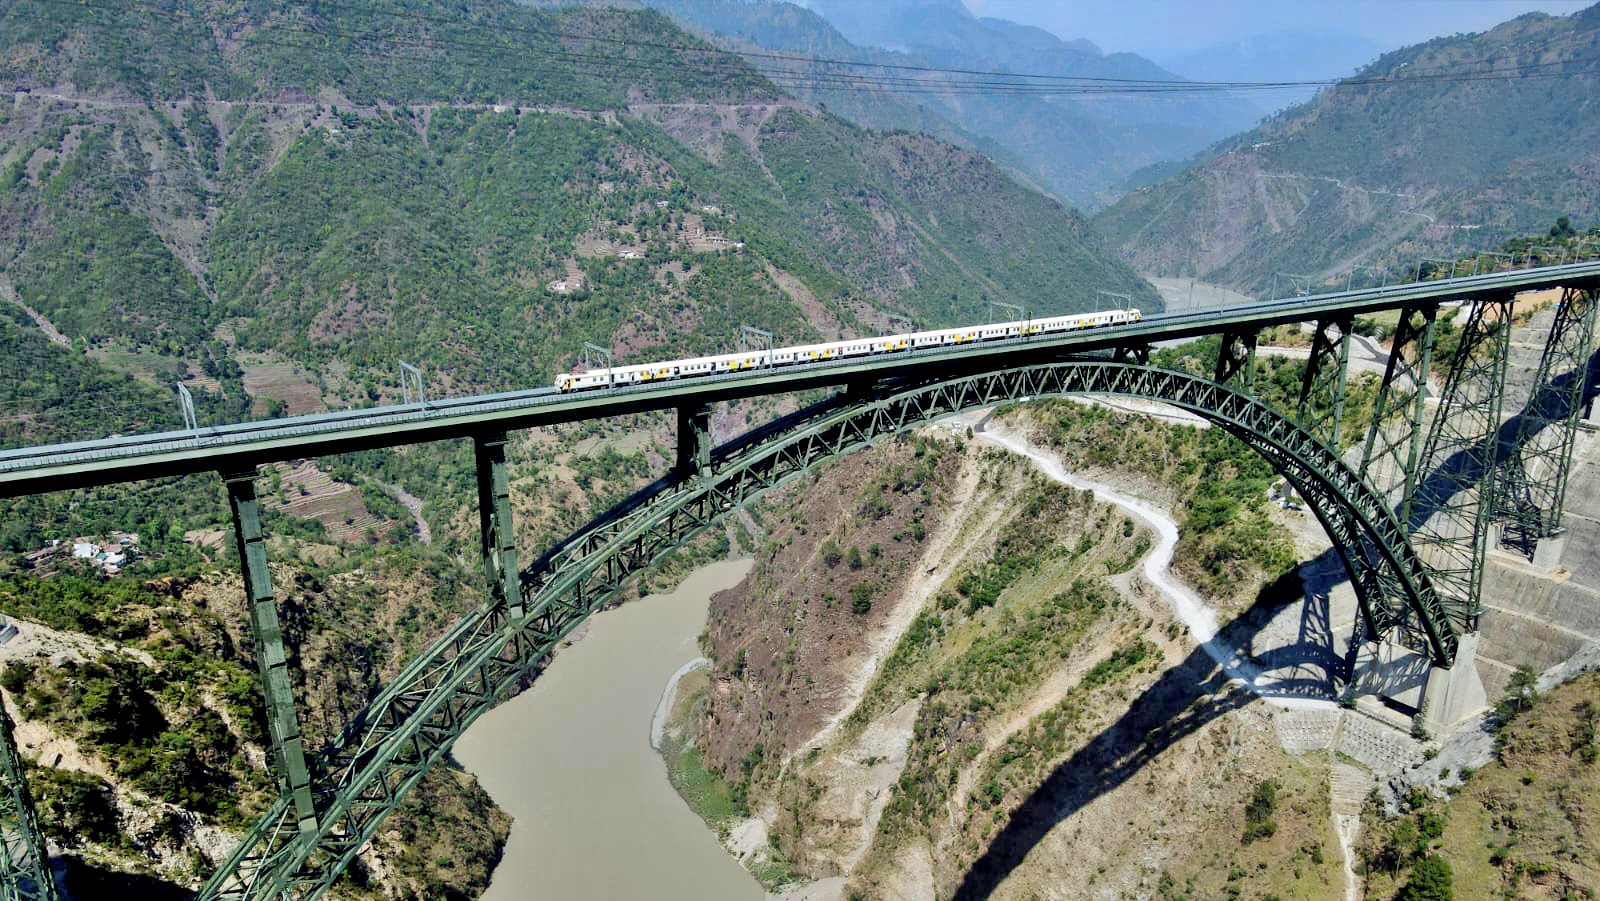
x,y
1183,25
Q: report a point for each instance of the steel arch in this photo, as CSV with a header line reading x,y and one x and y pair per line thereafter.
x,y
412,722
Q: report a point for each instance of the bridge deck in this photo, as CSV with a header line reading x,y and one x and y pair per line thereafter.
x,y
126,458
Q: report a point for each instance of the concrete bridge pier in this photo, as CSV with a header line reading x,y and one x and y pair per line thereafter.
x,y
1455,694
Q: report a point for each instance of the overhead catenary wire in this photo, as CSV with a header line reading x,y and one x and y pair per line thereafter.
x,y
717,62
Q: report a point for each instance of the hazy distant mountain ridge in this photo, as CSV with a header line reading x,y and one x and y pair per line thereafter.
x,y
1077,147
1407,163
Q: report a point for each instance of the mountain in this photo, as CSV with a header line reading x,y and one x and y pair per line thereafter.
x,y
274,203
1406,160
309,192
1297,54
1078,147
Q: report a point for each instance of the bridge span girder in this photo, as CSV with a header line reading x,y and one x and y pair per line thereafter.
x,y
363,774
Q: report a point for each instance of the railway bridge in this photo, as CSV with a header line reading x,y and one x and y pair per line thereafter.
x,y
1411,507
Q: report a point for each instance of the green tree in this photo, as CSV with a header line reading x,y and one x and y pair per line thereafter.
x,y
1430,881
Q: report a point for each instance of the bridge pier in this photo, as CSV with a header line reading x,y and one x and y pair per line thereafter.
x,y
494,521
1533,471
1454,694
1449,510
694,440
1236,359
25,871
1394,441
1322,390
283,722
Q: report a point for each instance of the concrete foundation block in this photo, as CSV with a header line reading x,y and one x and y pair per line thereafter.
x,y
1454,695
1547,552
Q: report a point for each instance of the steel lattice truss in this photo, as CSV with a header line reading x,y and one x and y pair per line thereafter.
x,y
1322,390
1394,442
362,776
24,866
1448,511
1533,470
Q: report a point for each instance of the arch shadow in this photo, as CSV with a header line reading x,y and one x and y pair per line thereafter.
x,y
1183,700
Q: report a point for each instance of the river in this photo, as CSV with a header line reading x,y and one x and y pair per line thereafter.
x,y
571,761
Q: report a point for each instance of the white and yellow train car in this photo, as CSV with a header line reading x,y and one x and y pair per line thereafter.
x,y
835,350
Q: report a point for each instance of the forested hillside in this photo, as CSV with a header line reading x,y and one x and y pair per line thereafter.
x,y
1455,144
301,188
273,204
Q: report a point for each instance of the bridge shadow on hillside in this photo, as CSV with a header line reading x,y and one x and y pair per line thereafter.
x,y
80,878
1181,702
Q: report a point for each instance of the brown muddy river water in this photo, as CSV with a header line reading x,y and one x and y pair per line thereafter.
x,y
570,759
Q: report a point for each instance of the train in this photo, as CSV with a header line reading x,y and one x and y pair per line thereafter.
x,y
803,354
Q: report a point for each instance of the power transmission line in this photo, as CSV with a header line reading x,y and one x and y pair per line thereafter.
x,y
726,63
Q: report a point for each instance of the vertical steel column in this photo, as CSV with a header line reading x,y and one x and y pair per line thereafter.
x,y
1322,390
495,524
1534,469
1236,359
1394,440
1449,510
25,873
283,723
694,440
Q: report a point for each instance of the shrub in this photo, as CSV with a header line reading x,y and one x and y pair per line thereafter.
x,y
860,597
1258,822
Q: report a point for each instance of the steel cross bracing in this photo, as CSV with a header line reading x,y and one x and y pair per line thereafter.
x,y
25,872
1533,470
1448,512
1322,389
1394,440
362,776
